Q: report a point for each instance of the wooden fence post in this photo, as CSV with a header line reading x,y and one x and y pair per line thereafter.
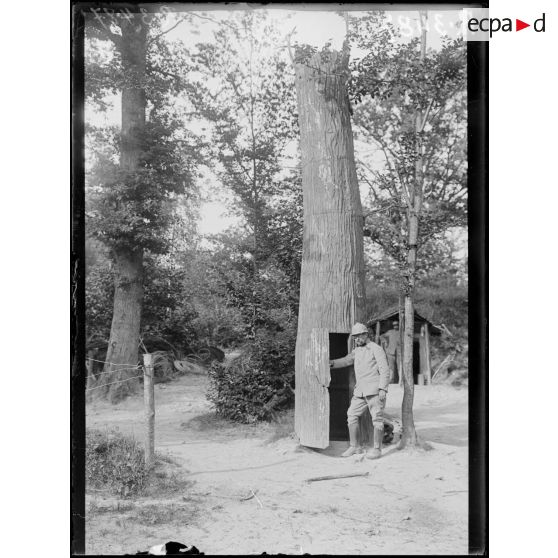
x,y
149,403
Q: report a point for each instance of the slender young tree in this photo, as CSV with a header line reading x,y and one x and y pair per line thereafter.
x,y
410,106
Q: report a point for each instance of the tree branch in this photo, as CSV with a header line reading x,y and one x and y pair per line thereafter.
x,y
233,27
289,47
101,28
155,37
426,115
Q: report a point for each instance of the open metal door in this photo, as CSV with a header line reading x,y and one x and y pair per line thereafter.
x,y
312,394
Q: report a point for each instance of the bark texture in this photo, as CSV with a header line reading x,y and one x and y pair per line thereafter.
x,y
332,293
409,434
122,351
128,263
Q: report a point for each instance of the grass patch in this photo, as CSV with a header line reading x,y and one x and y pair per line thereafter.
x,y
159,514
118,507
116,463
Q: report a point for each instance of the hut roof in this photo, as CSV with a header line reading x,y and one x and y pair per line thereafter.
x,y
393,313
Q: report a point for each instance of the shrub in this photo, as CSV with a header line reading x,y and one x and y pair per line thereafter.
x,y
114,461
258,383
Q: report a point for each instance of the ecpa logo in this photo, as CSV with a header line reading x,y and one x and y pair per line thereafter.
x,y
478,26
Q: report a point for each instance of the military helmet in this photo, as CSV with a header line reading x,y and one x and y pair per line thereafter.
x,y
358,329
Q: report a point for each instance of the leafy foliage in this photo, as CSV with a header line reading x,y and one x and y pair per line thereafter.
x,y
131,209
168,310
260,382
246,97
99,293
390,86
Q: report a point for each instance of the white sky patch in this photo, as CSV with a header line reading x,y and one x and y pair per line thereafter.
x,y
214,218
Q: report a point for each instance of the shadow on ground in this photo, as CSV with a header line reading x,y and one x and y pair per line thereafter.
x,y
455,431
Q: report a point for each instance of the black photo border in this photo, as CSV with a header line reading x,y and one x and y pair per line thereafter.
x,y
477,142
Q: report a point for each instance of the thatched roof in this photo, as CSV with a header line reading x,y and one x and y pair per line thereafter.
x,y
392,313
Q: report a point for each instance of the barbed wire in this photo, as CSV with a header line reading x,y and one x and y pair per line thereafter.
x,y
113,363
116,370
111,383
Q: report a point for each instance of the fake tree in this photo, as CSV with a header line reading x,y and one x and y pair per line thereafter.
x,y
138,170
332,294
410,109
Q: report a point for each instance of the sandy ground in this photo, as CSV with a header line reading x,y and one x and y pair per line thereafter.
x,y
412,501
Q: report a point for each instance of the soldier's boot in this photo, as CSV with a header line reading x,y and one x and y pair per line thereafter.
x,y
353,440
376,451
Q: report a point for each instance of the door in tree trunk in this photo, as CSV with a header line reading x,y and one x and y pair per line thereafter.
x,y
312,420
339,389
332,272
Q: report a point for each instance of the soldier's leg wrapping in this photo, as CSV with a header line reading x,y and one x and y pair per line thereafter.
x,y
376,410
357,407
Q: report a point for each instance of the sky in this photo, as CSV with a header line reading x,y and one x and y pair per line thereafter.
x,y
313,26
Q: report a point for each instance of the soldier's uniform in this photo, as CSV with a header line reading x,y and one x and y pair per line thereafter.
x,y
392,338
372,375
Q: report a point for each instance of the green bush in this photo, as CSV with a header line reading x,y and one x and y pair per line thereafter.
x,y
260,382
114,461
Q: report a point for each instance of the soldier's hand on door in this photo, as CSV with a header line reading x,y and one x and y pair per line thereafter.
x,y
331,363
382,395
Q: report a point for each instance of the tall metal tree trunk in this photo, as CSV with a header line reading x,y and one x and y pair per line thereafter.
x,y
332,295
409,434
128,263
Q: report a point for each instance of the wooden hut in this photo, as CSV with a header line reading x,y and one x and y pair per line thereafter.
x,y
424,329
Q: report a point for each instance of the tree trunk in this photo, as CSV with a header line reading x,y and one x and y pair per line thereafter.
x,y
128,262
409,434
332,295
401,335
122,353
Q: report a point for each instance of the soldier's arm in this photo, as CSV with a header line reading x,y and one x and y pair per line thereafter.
x,y
343,361
383,367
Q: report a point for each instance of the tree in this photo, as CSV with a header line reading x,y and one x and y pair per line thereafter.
x,y
139,170
332,294
246,97
410,104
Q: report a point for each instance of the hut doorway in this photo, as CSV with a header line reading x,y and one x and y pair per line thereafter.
x,y
416,364
340,389
383,327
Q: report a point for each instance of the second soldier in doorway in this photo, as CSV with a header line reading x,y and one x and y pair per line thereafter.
x,y
372,380
391,342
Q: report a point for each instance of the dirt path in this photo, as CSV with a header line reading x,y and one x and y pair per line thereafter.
x,y
412,502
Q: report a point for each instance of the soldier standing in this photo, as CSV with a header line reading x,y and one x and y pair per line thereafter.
x,y
372,379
